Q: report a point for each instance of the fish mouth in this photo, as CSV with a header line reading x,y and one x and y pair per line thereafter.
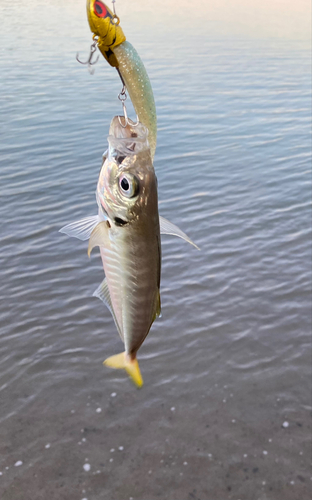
x,y
127,140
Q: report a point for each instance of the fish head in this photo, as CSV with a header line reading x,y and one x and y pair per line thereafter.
x,y
127,184
105,25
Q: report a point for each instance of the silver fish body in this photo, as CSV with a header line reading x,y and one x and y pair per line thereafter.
x,y
130,249
127,229
129,237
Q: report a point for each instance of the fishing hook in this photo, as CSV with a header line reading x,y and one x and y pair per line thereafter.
x,y
93,49
122,96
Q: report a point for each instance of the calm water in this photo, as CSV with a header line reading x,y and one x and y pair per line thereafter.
x,y
229,362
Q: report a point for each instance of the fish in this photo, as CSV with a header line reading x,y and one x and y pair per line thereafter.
x,y
127,230
119,53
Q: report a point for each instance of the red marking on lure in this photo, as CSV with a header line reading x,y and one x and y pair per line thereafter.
x,y
99,9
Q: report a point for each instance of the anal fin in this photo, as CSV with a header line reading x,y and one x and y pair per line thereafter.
x,y
102,292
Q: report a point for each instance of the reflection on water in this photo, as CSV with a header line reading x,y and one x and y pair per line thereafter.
x,y
228,363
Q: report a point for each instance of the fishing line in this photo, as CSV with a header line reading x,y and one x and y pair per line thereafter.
x,y
113,2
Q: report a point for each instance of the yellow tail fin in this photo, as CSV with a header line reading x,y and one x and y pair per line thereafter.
x,y
130,365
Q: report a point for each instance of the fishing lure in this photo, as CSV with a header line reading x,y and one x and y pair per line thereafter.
x,y
119,53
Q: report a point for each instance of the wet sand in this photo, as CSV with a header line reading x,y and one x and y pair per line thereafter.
x,y
187,447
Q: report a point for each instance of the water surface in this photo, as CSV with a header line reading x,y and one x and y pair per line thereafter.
x,y
229,361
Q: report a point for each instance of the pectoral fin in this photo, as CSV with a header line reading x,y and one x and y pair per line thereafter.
x,y
166,227
98,236
81,229
102,292
130,365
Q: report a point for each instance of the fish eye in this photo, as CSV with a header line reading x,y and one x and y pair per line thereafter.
x,y
128,185
124,183
99,9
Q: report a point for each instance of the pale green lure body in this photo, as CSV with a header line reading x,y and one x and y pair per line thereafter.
x,y
139,88
122,55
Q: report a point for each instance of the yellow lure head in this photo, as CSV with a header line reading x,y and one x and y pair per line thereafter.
x,y
105,25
